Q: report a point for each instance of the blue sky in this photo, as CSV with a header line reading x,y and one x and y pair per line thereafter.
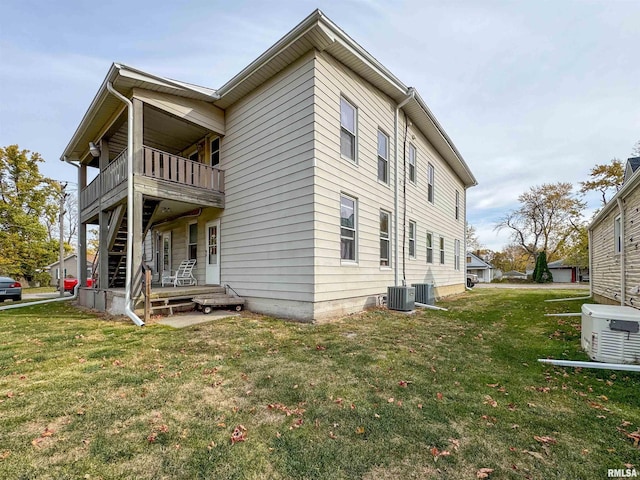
x,y
531,92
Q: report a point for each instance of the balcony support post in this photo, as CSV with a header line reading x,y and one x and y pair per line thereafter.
x,y
135,236
82,229
103,222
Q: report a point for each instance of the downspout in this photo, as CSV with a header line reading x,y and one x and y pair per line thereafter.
x,y
77,287
410,94
590,247
128,310
623,286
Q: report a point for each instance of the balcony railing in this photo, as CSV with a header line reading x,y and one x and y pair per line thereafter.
x,y
164,166
155,164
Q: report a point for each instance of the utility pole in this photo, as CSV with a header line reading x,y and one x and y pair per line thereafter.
x,y
63,197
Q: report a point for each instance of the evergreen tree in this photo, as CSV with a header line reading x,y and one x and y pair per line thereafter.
x,y
542,274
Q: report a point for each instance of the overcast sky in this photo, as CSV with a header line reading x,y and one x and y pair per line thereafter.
x,y
531,92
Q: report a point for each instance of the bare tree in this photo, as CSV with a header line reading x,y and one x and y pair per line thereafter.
x,y
472,240
547,216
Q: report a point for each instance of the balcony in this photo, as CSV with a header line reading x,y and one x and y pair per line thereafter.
x,y
158,174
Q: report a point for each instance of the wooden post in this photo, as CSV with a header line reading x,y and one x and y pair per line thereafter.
x,y
147,294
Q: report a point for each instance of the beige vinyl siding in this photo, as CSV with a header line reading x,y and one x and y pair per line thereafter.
x,y
336,176
606,263
267,156
632,248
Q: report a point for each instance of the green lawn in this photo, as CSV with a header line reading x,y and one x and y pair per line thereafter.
x,y
378,395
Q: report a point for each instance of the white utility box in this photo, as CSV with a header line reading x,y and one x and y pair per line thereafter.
x,y
611,333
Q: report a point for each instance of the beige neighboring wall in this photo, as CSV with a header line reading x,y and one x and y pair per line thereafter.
x,y
606,264
335,175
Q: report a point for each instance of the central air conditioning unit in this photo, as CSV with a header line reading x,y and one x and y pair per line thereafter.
x,y
611,334
401,298
424,293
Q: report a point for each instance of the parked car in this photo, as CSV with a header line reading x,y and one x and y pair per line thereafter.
x,y
472,279
10,289
70,284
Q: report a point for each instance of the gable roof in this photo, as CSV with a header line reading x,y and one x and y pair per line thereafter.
x,y
476,262
314,32
630,184
633,164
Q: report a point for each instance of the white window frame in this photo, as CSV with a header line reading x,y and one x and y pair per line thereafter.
x,y
413,227
457,205
429,247
384,158
442,250
354,229
189,243
431,175
413,166
213,152
353,134
385,237
617,235
456,255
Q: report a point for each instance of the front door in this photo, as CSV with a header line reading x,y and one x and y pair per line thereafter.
x,y
212,269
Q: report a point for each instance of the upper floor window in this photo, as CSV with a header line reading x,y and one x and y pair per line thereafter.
x,y
431,173
429,247
348,228
195,156
457,205
412,163
215,152
617,235
383,157
412,239
385,243
347,130
442,250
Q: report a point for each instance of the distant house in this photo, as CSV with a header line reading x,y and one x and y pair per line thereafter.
x,y
70,268
308,183
478,266
514,274
563,272
614,244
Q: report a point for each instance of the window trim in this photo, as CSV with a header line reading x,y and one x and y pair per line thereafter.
x,y
212,151
431,180
456,255
429,247
189,244
353,134
386,160
354,229
442,250
617,235
415,164
415,229
387,239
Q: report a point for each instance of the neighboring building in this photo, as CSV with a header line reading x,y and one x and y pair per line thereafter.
x,y
614,244
514,274
285,184
565,273
70,268
478,266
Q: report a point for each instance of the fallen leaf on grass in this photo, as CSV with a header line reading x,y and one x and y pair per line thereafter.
x,y
545,439
439,396
239,434
490,401
534,454
5,454
492,385
454,443
332,435
635,438
320,347
484,472
359,430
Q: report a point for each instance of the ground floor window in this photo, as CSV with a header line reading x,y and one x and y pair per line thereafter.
x,y
385,243
456,258
442,250
412,239
429,247
348,228
192,246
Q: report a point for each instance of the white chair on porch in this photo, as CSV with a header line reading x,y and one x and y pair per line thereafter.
x,y
183,275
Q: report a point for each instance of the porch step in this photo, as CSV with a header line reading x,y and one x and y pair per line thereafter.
x,y
171,303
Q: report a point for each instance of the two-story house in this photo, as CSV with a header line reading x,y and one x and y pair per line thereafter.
x,y
309,182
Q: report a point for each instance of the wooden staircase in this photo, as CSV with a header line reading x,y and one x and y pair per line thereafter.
x,y
117,240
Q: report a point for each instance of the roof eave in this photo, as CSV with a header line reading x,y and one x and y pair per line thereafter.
x,y
626,189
